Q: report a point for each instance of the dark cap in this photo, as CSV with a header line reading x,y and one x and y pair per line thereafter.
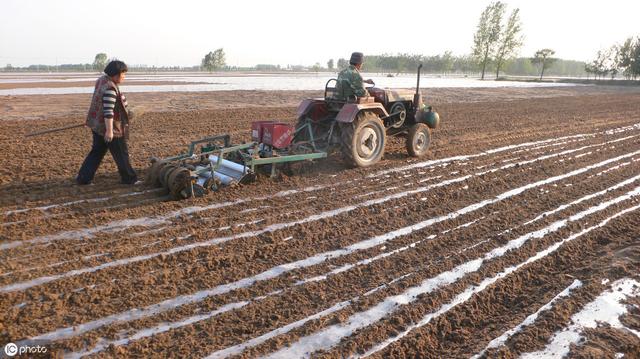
x,y
356,58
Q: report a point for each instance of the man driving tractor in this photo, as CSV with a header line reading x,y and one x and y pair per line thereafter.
x,y
350,84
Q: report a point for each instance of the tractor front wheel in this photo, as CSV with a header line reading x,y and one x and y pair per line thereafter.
x,y
418,140
363,140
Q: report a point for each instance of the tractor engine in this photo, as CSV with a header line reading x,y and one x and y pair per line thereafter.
x,y
400,102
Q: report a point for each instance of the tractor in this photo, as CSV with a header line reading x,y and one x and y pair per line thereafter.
x,y
359,126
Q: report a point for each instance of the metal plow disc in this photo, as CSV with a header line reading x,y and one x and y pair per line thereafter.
x,y
181,184
153,175
164,175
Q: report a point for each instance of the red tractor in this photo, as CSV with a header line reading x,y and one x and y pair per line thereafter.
x,y
359,126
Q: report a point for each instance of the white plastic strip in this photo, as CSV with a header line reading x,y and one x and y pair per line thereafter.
x,y
466,295
168,304
499,341
606,308
330,336
122,225
160,328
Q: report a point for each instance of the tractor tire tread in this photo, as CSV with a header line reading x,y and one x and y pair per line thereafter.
x,y
347,132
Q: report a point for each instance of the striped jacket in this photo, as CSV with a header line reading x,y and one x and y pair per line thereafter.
x,y
108,102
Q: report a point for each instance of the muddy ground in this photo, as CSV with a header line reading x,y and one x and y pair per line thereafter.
x,y
522,215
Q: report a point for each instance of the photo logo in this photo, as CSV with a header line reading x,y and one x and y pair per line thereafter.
x,y
11,349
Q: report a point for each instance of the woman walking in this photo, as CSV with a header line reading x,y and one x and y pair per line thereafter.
x,y
108,119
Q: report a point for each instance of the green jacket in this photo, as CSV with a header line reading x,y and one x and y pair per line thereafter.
x,y
350,84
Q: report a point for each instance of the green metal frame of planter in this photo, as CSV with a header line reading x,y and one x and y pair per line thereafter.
x,y
249,161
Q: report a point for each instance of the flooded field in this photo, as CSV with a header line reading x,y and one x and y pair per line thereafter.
x,y
193,82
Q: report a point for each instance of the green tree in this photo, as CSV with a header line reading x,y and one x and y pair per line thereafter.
x,y
487,34
588,68
635,72
100,61
510,40
316,67
342,64
544,59
214,60
628,57
611,62
401,63
447,62
330,64
599,65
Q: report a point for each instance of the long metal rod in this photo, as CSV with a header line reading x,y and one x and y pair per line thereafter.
x,y
53,130
215,151
289,158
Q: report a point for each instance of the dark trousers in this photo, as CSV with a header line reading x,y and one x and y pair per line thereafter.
x,y
120,153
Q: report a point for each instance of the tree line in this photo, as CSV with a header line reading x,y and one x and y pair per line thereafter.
x,y
621,58
496,44
444,64
448,64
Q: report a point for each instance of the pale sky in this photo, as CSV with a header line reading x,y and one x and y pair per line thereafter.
x,y
180,32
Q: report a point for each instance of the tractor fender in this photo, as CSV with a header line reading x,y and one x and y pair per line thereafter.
x,y
350,111
306,106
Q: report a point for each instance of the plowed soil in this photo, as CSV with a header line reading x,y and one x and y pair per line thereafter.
x,y
523,214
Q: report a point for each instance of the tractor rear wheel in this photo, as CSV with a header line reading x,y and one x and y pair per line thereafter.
x,y
363,140
418,140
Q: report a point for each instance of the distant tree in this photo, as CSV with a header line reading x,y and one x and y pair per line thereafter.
x,y
544,59
267,67
446,62
465,64
625,56
100,61
220,58
628,57
342,64
486,38
611,61
330,64
635,72
510,40
316,67
8,67
401,63
588,68
599,65
214,60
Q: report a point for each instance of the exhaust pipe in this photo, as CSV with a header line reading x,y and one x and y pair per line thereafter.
x,y
417,98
